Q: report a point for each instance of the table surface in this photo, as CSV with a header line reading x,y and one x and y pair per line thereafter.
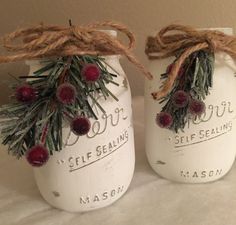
x,y
150,199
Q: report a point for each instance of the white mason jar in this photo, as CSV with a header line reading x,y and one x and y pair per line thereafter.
x,y
94,170
205,151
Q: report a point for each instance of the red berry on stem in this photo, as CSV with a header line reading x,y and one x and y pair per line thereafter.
x,y
25,94
66,93
91,72
164,120
37,156
180,99
80,125
197,107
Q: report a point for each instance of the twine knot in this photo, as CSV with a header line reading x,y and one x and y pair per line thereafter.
x,y
45,41
182,40
81,34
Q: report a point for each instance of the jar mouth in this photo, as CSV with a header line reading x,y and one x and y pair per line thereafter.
x,y
113,33
226,30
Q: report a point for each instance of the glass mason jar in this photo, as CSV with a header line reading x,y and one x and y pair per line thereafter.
x,y
205,150
94,170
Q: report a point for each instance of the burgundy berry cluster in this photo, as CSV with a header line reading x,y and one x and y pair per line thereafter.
x,y
179,100
66,94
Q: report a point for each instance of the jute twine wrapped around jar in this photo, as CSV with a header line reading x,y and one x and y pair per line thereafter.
x,y
185,40
45,41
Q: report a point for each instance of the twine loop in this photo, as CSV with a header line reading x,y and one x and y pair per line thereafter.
x,y
183,40
45,41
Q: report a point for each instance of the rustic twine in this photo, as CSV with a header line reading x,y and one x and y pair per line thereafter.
x,y
47,41
185,40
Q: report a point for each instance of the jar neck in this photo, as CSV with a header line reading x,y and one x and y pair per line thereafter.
x,y
45,61
114,58
34,65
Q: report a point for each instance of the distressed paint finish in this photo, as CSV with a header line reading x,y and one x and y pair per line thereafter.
x,y
205,150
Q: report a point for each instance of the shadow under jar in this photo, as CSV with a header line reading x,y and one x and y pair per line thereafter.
x,y
205,150
94,170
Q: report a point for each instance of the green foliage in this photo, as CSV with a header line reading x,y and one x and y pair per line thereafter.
x,y
25,125
195,80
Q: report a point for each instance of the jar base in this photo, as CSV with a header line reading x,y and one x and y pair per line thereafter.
x,y
85,209
194,177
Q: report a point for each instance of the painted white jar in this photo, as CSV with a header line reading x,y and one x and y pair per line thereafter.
x,y
94,170
206,150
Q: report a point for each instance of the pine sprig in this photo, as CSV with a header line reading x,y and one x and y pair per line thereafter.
x,y
194,80
24,125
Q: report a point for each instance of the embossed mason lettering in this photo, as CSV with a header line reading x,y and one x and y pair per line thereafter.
x,y
200,174
222,111
106,195
212,111
97,153
103,149
79,159
202,135
99,127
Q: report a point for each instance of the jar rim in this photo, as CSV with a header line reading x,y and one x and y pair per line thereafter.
x,y
113,33
226,30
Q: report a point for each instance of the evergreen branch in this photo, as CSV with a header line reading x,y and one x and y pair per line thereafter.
x,y
196,80
24,125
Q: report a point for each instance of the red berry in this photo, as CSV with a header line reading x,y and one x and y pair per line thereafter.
x,y
180,99
164,120
37,156
197,107
80,125
25,94
66,93
91,72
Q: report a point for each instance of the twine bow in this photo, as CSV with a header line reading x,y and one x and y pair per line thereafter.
x,y
185,40
47,41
